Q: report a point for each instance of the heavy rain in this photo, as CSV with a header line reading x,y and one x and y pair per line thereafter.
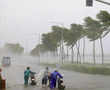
x,y
54,45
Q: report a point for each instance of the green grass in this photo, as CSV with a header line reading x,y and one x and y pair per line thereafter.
x,y
83,68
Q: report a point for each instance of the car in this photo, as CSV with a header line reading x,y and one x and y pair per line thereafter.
x,y
6,61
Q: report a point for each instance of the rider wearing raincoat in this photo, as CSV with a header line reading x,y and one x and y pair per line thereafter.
x,y
53,79
26,75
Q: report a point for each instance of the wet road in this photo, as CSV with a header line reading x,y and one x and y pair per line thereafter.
x,y
73,80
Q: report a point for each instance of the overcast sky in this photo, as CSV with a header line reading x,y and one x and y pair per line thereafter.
x,y
21,21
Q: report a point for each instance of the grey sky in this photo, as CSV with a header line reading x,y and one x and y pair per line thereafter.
x,y
23,20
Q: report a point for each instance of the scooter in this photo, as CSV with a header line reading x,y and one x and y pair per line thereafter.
x,y
33,79
61,85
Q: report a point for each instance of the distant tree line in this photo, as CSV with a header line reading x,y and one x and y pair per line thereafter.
x,y
93,29
14,48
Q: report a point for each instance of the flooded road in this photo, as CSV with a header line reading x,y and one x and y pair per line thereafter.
x,y
73,80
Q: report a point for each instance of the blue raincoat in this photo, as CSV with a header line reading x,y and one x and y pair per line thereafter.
x,y
53,79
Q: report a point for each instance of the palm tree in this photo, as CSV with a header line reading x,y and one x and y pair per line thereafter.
x,y
50,42
78,34
93,31
71,38
104,19
58,34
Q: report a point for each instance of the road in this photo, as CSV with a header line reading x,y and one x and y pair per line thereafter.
x,y
73,80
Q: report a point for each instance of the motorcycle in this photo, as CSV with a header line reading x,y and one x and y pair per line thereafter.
x,y
61,85
33,79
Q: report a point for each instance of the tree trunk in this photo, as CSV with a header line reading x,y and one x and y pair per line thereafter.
x,y
94,52
77,54
60,54
102,51
62,44
57,56
67,53
56,52
79,51
72,55
84,50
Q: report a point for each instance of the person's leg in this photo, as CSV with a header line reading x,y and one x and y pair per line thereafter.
x,y
46,82
0,84
43,82
26,80
54,83
51,84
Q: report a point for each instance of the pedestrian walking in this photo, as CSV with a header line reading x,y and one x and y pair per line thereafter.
x,y
26,75
45,77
